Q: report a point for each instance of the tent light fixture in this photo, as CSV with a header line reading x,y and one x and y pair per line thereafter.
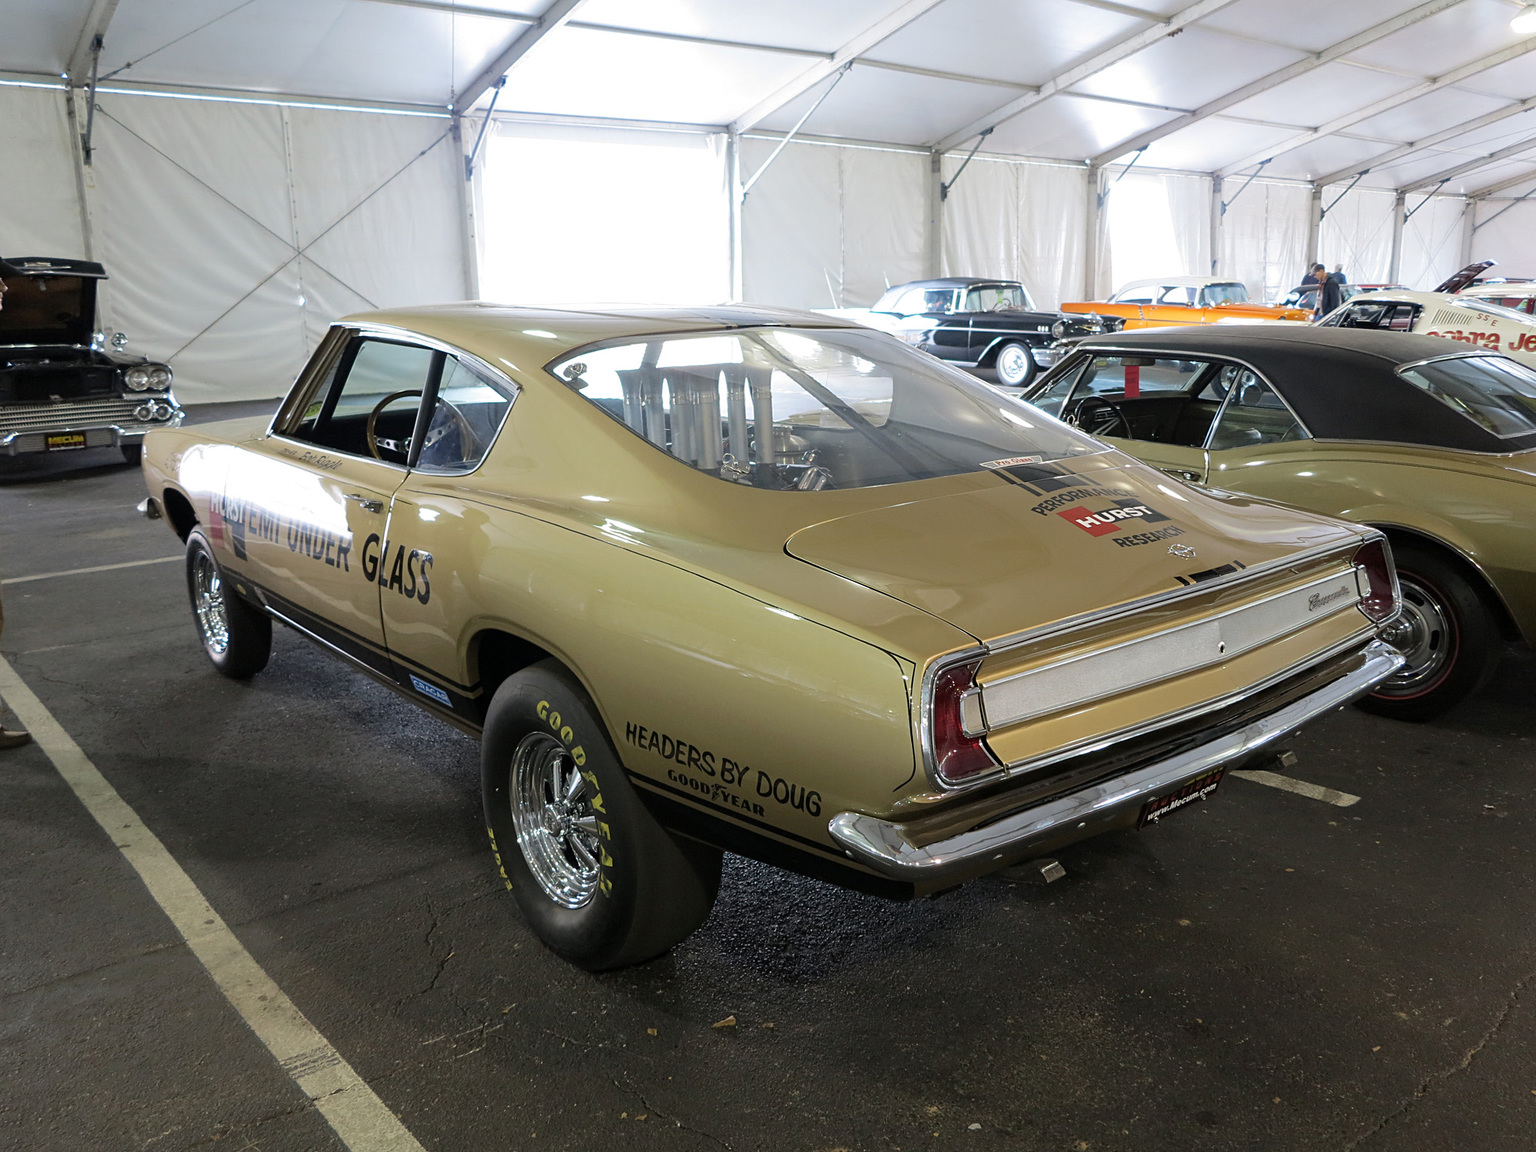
x,y
1524,21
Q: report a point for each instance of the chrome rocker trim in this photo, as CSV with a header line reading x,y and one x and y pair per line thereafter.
x,y
881,844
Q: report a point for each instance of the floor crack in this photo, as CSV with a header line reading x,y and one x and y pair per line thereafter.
x,y
1435,1078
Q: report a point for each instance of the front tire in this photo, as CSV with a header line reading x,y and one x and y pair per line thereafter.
x,y
236,635
1448,633
599,881
1015,365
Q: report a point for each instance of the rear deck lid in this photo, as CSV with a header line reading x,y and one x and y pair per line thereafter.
x,y
1050,542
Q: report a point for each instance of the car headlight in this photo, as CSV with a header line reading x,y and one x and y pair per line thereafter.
x,y
159,377
137,377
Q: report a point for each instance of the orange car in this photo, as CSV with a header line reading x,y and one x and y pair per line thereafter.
x,y
1185,300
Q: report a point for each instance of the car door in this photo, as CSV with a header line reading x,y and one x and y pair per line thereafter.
x,y
306,509
431,560
1252,437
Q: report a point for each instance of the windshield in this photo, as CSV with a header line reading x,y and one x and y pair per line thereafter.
x,y
786,409
1226,294
1492,309
1497,393
997,298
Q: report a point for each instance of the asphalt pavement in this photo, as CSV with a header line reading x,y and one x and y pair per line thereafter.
x,y
1265,971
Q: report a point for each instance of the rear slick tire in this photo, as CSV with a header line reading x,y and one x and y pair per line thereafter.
x,y
236,635
1448,632
598,879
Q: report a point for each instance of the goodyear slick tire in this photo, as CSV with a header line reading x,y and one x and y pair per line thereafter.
x,y
245,649
1436,590
653,889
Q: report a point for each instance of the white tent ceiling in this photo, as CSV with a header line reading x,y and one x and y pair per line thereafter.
x,y
1312,89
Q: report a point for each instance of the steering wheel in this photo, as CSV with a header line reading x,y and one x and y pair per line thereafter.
x,y
377,445
1100,417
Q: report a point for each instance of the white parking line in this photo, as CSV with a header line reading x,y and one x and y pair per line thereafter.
x,y
1300,787
360,1119
84,571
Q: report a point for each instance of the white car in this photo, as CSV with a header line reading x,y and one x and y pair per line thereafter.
x,y
1519,295
1470,319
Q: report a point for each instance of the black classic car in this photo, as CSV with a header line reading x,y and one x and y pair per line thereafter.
x,y
981,324
64,387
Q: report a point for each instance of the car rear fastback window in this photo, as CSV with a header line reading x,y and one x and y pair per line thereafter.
x,y
786,409
1496,393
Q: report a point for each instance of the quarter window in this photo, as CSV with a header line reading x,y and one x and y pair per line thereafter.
x,y
1496,393
1254,414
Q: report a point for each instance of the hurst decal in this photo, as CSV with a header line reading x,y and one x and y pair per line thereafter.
x,y
719,779
1120,514
1072,496
397,568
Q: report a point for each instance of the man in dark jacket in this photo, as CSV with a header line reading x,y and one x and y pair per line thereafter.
x,y
1329,296
9,737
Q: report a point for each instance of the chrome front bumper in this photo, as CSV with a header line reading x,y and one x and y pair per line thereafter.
x,y
30,441
1116,803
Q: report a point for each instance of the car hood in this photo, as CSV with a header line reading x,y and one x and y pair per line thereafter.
x,y
1057,542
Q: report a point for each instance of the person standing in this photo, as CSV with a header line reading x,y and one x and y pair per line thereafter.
x,y
9,737
1329,296
1338,274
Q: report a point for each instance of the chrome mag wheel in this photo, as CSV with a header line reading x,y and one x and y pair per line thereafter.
x,y
1425,633
556,828
208,603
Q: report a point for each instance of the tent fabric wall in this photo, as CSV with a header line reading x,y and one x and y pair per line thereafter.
x,y
1018,221
1506,232
1264,236
39,204
1157,224
1432,238
234,233
829,226
1357,233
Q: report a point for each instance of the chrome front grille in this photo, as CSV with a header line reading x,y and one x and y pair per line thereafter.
x,y
69,416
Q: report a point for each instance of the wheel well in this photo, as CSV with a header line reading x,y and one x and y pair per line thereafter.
x,y
494,655
1501,614
989,357
178,510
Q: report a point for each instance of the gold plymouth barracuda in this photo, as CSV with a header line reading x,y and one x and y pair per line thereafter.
x,y
760,581
1432,442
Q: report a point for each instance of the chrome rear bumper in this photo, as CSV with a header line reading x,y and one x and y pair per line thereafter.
x,y
1116,803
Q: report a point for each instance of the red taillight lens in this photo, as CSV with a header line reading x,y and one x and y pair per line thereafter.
x,y
958,758
1379,598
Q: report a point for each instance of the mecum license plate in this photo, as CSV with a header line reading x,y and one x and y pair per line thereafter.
x,y
65,440
1196,790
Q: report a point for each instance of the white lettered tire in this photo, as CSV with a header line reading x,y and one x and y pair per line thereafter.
x,y
599,881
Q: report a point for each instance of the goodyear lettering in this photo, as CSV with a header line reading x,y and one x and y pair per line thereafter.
x,y
501,868
567,735
714,791
404,571
713,776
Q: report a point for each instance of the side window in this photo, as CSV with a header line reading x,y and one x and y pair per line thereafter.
x,y
378,382
1054,395
1131,377
466,414
1254,415
1401,318
1176,294
1134,296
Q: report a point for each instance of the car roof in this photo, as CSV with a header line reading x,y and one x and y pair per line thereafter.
x,y
1177,282
1504,288
529,337
950,282
1341,382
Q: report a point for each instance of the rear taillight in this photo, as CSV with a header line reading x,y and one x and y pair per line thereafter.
x,y
1374,572
960,752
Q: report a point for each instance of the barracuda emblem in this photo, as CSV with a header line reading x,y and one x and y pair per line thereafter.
x,y
1183,551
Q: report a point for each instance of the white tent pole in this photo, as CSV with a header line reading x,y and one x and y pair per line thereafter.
x,y
1399,218
77,155
1217,211
734,191
1094,217
933,237
1314,225
468,241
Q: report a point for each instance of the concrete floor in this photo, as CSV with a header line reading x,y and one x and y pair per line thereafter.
x,y
1267,972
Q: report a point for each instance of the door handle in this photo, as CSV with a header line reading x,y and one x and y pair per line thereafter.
x,y
367,503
